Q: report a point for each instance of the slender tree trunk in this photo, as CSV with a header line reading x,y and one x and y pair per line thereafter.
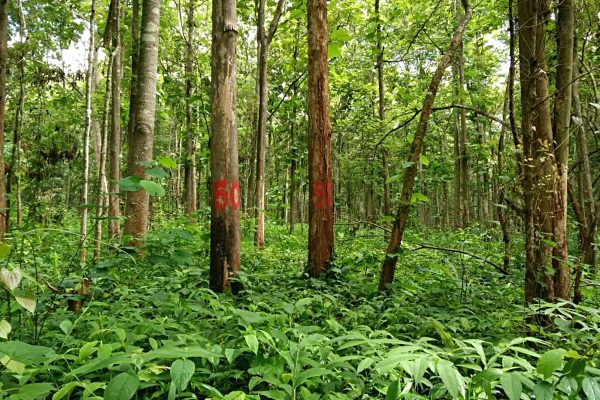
x,y
562,121
320,210
114,206
387,202
86,137
503,218
133,86
15,169
191,196
293,196
3,68
264,39
391,258
102,181
138,206
225,213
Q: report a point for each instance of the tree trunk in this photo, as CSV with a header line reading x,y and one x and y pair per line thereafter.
x,y
191,196
320,209
264,40
225,213
544,192
140,146
86,137
391,258
3,68
114,206
102,182
133,84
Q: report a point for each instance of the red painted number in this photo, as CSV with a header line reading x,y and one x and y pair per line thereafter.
x,y
323,195
222,197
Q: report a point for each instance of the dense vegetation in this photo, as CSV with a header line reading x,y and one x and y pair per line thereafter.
x,y
299,199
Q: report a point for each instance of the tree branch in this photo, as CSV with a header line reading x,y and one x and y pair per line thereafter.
x,y
448,250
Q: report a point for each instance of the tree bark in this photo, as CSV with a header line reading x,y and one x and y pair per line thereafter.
x,y
189,173
391,258
3,68
86,137
544,192
138,206
225,213
114,206
320,210
264,40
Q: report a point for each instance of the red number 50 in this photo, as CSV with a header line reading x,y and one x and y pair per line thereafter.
x,y
222,196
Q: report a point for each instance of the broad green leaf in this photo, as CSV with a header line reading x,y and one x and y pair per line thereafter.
x,y
591,388
167,162
153,188
543,391
334,50
157,172
550,361
424,160
182,371
4,249
393,389
129,184
33,391
12,365
10,279
27,301
66,326
121,387
65,390
451,378
252,343
170,352
25,352
444,335
5,329
311,373
364,364
511,383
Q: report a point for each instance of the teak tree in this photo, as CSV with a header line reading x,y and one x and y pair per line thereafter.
x,y
141,140
545,149
391,257
226,199
320,208
264,40
189,180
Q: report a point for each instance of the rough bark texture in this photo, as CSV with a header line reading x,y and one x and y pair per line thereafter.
x,y
320,210
225,213
190,196
86,137
391,258
138,209
114,206
546,276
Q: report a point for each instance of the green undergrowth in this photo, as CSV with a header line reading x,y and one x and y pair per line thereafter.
x,y
451,326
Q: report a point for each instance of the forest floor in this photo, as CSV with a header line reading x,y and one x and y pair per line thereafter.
x,y
451,326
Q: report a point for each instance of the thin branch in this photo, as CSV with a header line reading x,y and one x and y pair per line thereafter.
x,y
428,247
290,87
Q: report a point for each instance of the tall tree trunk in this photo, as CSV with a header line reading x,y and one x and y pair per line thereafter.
x,y
544,192
391,258
320,210
15,168
464,161
225,213
3,68
503,217
562,122
293,196
264,39
191,196
387,202
141,143
133,85
102,182
114,206
86,137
